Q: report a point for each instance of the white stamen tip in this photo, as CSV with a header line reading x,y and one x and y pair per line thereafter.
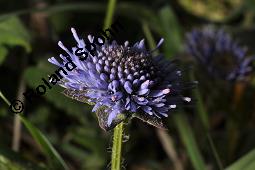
x,y
73,30
60,43
187,99
166,91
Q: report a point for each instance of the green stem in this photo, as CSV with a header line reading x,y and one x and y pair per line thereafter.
x,y
4,98
116,148
199,104
118,130
205,121
109,13
189,141
148,35
214,151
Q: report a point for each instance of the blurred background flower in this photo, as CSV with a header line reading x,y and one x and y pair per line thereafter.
x,y
218,54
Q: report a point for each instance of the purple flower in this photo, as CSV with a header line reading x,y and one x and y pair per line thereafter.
x,y
123,81
219,54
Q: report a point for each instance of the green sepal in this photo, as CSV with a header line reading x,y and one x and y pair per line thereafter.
x,y
77,95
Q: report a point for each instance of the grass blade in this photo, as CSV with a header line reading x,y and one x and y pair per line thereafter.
x,y
247,162
54,159
188,140
171,31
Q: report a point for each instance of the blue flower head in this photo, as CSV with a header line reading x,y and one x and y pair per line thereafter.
x,y
122,81
219,54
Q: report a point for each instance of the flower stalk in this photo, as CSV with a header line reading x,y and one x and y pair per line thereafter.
x,y
117,146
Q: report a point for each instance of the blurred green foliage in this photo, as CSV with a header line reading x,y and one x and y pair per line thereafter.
x,y
13,33
63,133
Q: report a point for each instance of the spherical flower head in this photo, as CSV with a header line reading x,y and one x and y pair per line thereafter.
x,y
123,81
221,56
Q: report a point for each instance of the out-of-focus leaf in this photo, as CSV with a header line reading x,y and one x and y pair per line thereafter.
x,y
213,10
171,31
89,161
54,158
92,143
90,152
247,162
14,33
3,111
6,164
149,36
200,105
40,116
10,160
250,5
189,142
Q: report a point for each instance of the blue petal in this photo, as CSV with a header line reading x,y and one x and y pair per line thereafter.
x,y
128,87
140,100
145,85
147,109
54,61
143,92
117,96
104,77
157,93
112,116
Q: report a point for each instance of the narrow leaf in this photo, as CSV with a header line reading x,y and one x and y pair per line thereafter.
x,y
53,156
189,141
247,162
14,33
170,30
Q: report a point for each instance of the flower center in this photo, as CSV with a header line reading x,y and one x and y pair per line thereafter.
x,y
224,64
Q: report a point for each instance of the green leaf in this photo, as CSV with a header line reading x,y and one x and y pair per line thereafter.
x,y
91,153
6,164
213,10
10,160
14,33
189,141
171,31
247,162
54,158
200,107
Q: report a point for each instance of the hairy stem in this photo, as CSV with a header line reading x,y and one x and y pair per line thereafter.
x,y
118,130
116,148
